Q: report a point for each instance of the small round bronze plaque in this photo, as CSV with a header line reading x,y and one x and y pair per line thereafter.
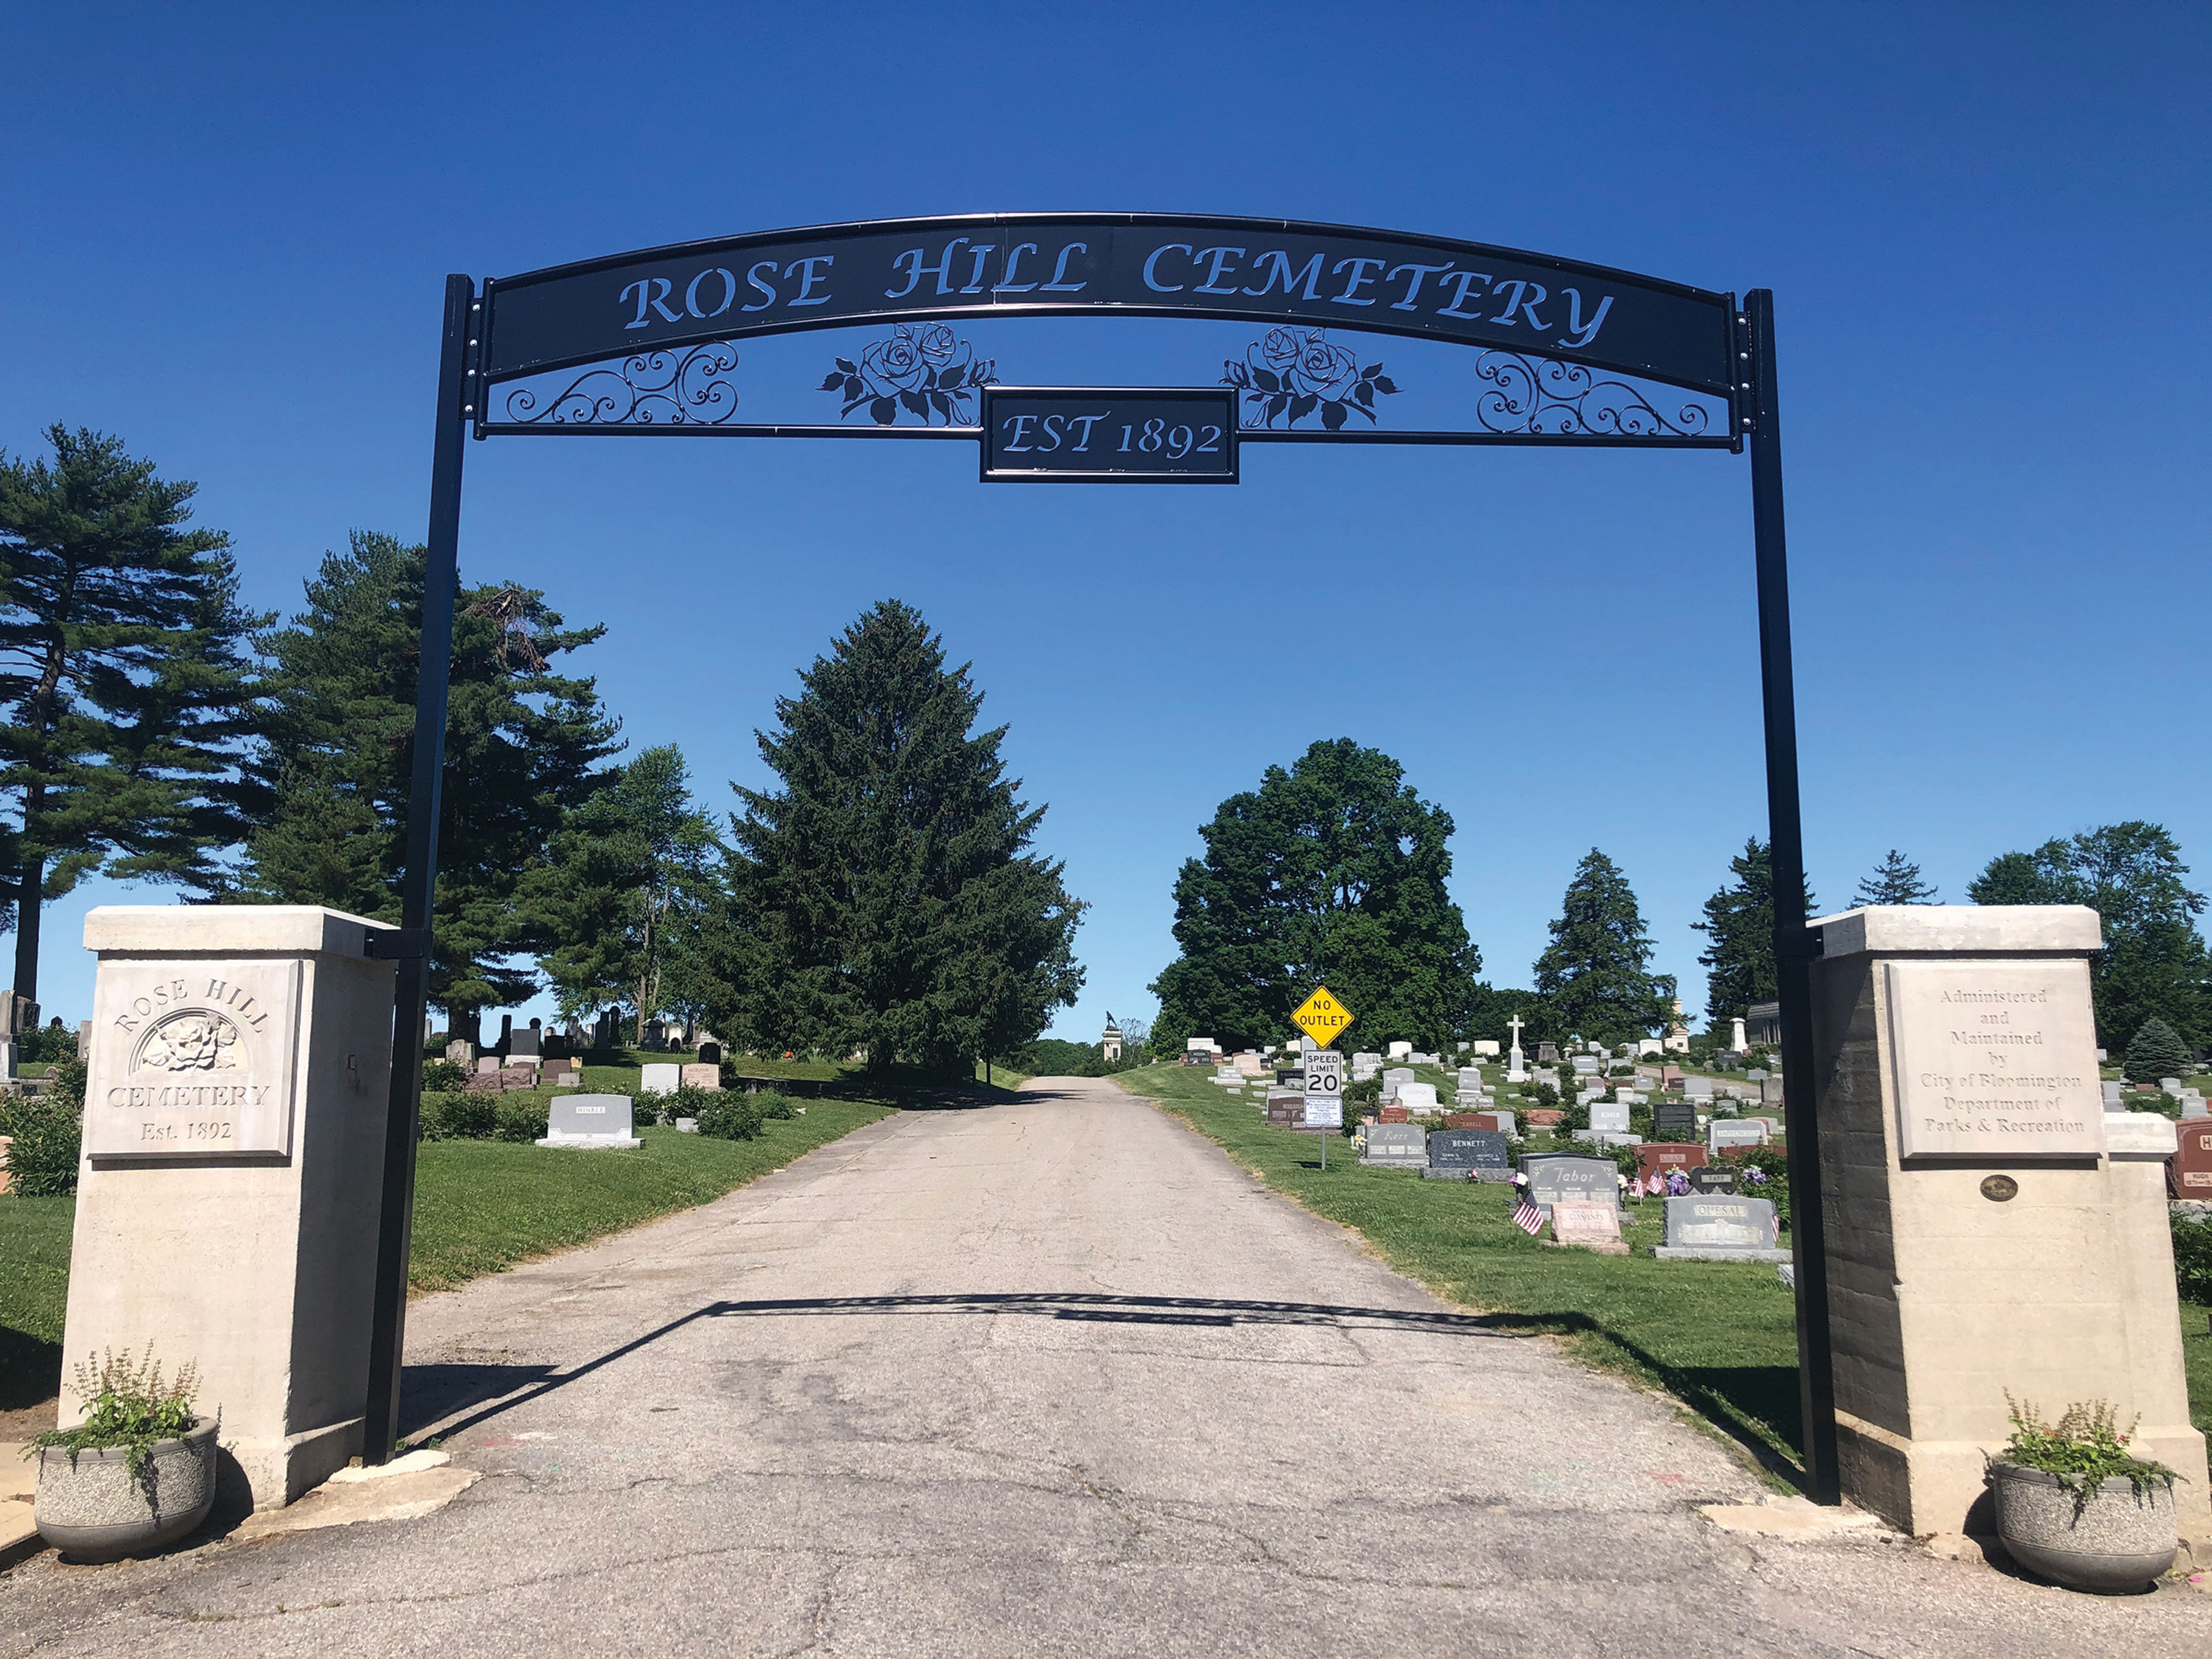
x,y
1998,1188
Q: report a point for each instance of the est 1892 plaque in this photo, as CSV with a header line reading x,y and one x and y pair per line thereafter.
x,y
1994,1060
1183,435
192,1057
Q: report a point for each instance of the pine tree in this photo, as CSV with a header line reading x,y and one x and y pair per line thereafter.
x,y
883,899
2154,962
1332,872
1895,880
613,895
2157,1051
1594,973
1740,923
521,746
124,674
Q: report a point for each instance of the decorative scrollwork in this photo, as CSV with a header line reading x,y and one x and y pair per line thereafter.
x,y
654,388
920,370
1541,394
1293,372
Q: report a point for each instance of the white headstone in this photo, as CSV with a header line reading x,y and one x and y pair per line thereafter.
x,y
1607,1119
585,1121
658,1077
1417,1097
1485,1048
1743,1132
1401,1050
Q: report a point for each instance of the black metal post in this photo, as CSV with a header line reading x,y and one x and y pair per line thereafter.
x,y
1793,942
395,1228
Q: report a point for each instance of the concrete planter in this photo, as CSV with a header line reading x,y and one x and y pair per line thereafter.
x,y
2121,1539
89,1507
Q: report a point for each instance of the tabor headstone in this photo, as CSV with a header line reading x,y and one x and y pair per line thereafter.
x,y
659,1077
1956,1044
1608,1118
1720,1230
1558,1177
1660,1158
1593,1227
1712,1180
2189,1175
1396,1146
701,1076
228,1199
585,1122
710,1052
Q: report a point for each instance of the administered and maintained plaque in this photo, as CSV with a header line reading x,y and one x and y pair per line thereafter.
x,y
1994,1060
192,1057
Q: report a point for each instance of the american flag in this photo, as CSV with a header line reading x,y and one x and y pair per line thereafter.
x,y
1528,1217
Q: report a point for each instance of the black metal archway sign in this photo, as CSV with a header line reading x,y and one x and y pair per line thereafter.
x,y
663,313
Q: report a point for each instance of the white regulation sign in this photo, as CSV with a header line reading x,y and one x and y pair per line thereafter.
x,y
1324,1089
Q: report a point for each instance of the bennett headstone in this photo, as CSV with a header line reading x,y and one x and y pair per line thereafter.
x,y
1456,1154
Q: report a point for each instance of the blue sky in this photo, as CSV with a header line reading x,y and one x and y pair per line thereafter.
x,y
1986,229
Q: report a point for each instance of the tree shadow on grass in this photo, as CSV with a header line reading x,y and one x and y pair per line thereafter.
x,y
30,1370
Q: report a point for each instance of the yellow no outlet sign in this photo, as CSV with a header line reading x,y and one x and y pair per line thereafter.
x,y
1321,1017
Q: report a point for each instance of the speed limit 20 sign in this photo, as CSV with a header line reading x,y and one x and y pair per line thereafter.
x,y
1324,1089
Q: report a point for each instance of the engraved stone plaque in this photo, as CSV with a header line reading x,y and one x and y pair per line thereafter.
x,y
192,1057
1994,1059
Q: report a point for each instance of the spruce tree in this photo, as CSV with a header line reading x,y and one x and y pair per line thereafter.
x,y
612,896
125,678
2157,1051
1332,872
1594,973
522,743
1740,925
882,898
1895,880
2154,962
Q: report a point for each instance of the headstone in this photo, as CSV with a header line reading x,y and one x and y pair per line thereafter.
x,y
1486,1048
1673,1120
1592,1226
1501,1121
488,1066
84,1040
1721,1134
656,1034
1714,1180
1396,1146
590,1120
710,1052
523,1044
1548,1053
1367,1059
1608,1118
1737,1040
1401,1050
1720,1230
1469,1078
1394,1114
1466,1120
1420,1098
1770,1092
1456,1154
2189,1172
1670,1076
1287,1108
506,1033
1659,1157
1561,1178
1697,1088
659,1077
1397,1074
1544,1118
1251,1065
701,1076
1757,1074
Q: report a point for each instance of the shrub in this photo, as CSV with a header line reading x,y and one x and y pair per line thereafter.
x,y
2192,1259
48,1134
128,1406
48,1044
2082,1449
1775,1166
2157,1051
771,1103
460,1116
519,1119
729,1116
442,1075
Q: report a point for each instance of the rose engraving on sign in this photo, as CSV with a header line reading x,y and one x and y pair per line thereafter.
x,y
192,1040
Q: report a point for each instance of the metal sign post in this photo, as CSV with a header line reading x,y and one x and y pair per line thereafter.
x,y
642,344
1324,1095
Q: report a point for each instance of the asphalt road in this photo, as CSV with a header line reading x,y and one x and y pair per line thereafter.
x,y
1046,1378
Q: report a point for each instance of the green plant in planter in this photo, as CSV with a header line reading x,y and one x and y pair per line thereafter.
x,y
2084,1449
128,1406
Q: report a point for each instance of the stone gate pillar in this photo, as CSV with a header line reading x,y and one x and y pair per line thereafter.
x,y
239,1075
1989,1227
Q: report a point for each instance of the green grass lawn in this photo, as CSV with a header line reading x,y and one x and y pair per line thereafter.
x,y
480,1206
1720,1337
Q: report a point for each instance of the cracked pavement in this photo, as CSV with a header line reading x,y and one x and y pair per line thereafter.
x,y
1050,1377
